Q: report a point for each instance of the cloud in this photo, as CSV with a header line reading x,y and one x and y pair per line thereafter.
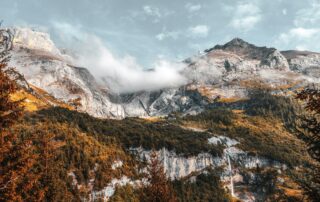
x,y
199,31
152,11
246,16
284,11
299,37
67,32
156,13
193,7
120,74
310,16
305,34
301,33
166,34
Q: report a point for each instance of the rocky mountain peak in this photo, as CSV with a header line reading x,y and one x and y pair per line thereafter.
x,y
34,40
246,50
236,42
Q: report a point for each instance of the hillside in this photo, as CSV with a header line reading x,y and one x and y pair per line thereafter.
x,y
254,138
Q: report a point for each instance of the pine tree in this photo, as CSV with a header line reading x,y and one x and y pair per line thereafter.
x,y
16,155
159,188
48,166
310,133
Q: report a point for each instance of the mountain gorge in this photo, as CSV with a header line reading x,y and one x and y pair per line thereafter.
x,y
228,134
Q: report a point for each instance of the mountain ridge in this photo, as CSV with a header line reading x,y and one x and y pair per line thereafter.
x,y
209,77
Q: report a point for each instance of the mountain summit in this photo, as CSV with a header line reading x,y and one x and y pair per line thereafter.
x,y
236,42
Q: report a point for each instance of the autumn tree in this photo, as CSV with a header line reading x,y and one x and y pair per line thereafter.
x,y
16,155
309,130
159,188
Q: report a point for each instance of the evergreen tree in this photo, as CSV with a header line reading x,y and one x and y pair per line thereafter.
x,y
310,132
159,188
16,155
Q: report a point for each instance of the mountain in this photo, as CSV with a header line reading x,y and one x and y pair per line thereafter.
x,y
224,71
44,66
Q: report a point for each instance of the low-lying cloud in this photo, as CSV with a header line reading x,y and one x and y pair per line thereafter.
x,y
120,74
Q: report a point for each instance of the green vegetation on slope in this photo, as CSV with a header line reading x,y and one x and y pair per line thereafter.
x,y
82,142
132,132
64,150
205,187
265,127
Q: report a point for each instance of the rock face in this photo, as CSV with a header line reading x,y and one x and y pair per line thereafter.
x,y
163,102
304,62
35,56
178,166
218,73
34,40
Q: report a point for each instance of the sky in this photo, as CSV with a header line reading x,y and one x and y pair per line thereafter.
x,y
149,30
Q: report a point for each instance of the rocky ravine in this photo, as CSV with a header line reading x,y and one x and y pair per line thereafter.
x,y
219,72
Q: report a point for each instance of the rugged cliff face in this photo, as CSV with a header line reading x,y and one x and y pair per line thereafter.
x,y
303,62
233,162
44,66
178,166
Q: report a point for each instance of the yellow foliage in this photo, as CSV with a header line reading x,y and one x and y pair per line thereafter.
x,y
30,103
153,119
230,99
38,100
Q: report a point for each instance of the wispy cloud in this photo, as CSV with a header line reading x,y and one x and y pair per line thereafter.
x,y
152,11
246,16
168,34
199,31
305,33
156,13
309,16
301,38
284,11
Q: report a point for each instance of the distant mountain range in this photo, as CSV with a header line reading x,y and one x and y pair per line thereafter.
x,y
223,73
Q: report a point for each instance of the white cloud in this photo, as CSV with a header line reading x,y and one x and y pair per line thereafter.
x,y
155,12
152,11
305,34
66,31
299,37
165,34
246,16
199,31
193,7
121,74
310,16
284,11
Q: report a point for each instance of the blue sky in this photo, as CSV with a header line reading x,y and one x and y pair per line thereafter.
x,y
171,29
